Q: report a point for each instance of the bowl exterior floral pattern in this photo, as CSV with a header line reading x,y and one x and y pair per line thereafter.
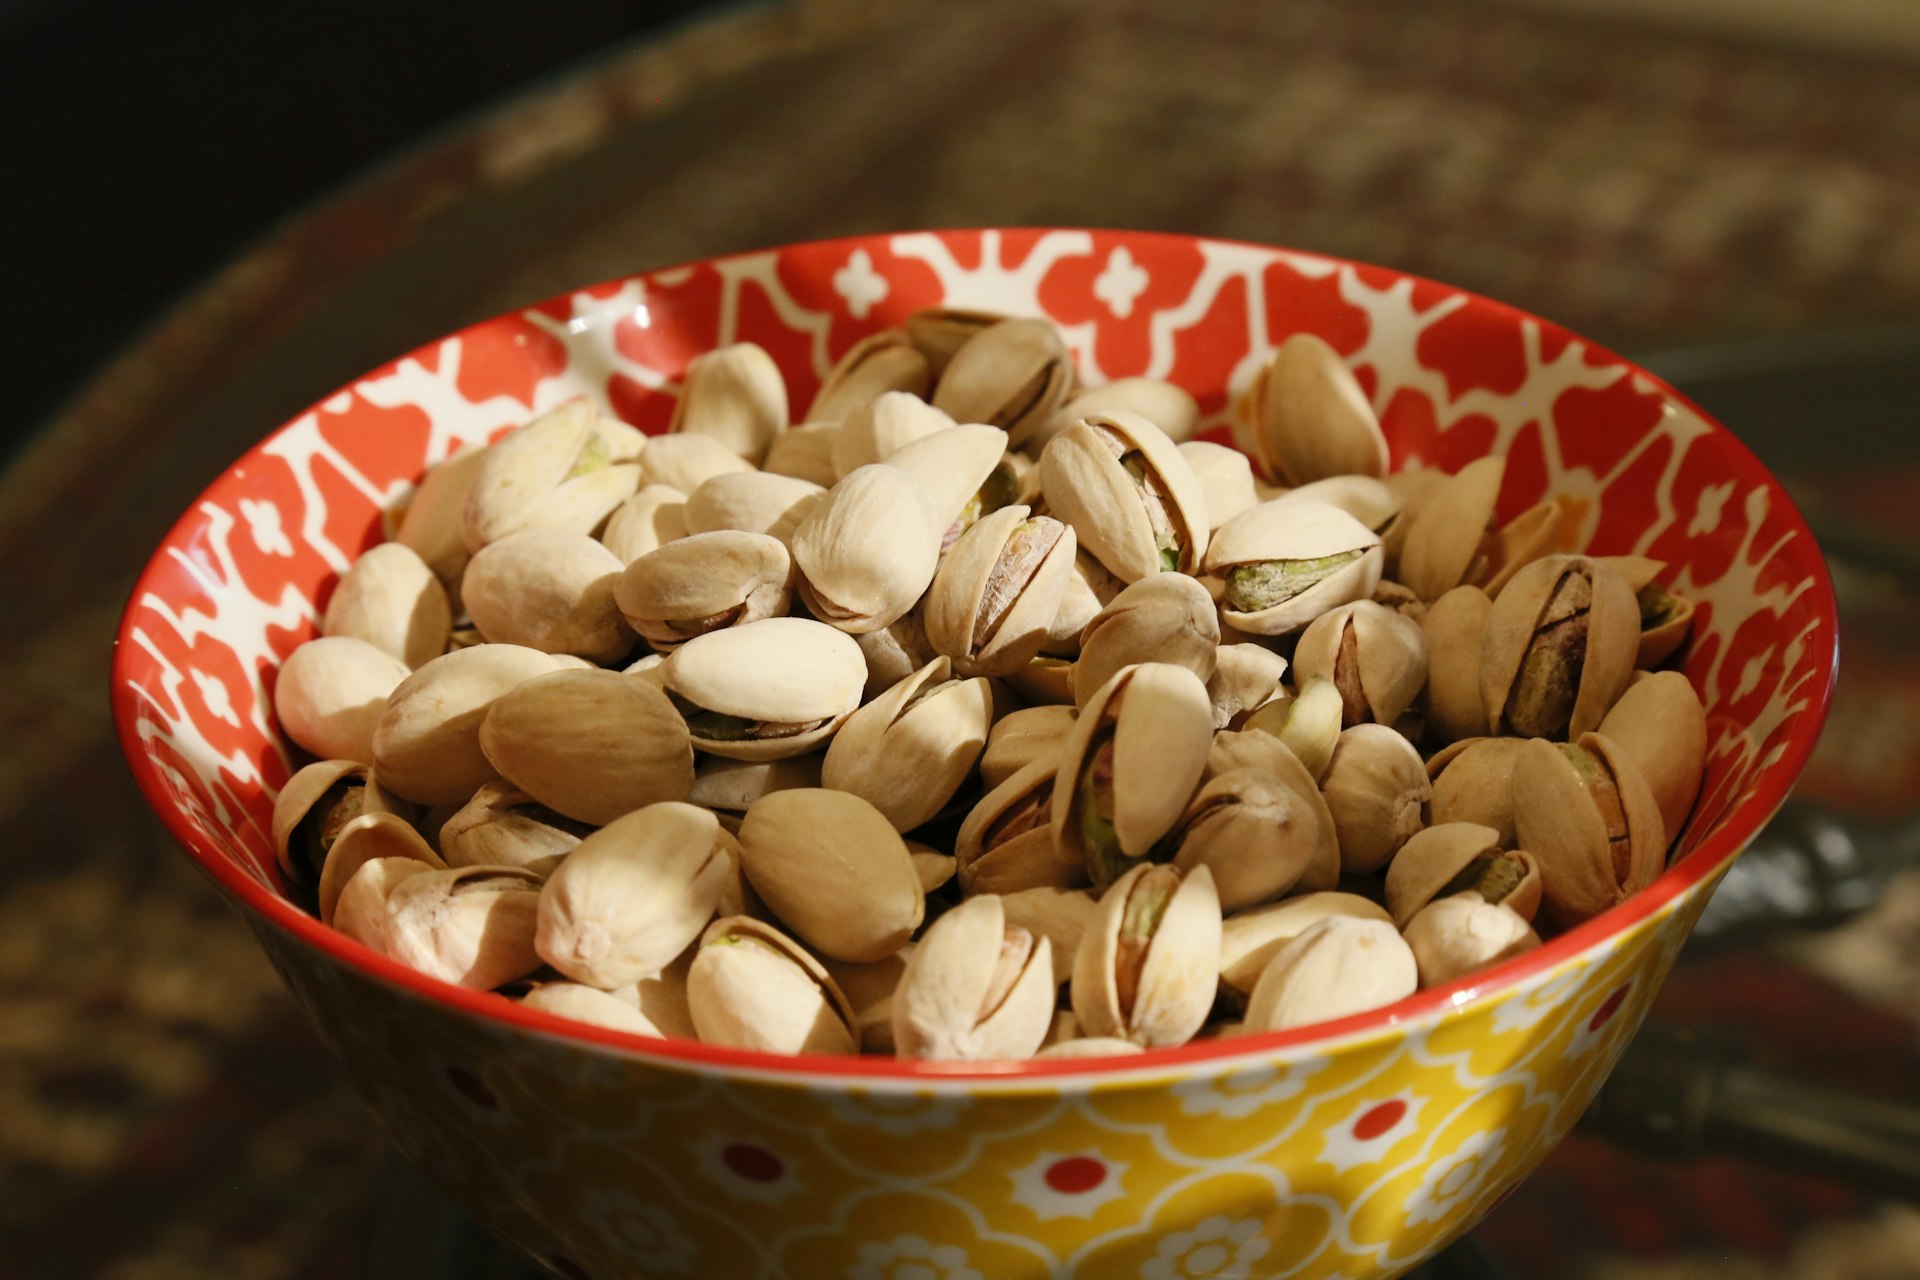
x,y
1355,1150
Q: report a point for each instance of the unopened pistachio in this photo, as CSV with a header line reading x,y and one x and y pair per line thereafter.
x,y
1377,789
330,693
426,746
803,848
751,502
1308,417
391,599
471,926
909,751
704,582
752,987
1335,968
1464,933
734,395
548,590
976,988
1147,967
878,363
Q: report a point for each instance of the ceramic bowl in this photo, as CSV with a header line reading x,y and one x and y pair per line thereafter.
x,y
1352,1148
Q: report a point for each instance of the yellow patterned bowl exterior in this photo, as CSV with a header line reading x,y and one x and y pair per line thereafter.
x,y
1355,1149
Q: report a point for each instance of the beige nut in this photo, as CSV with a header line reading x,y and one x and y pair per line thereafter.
x,y
1338,967
804,452
1246,677
1006,843
765,690
874,432
471,926
1309,723
1128,493
876,364
967,473
1150,960
1376,658
312,808
1661,725
1012,374
1473,782
581,1003
427,745
752,987
1167,617
1377,789
550,591
649,520
685,462
390,599
1445,539
503,826
364,839
329,695
1455,625
1413,486
1455,857
938,332
1587,816
1558,649
834,870
1286,562
1270,756
752,502
894,652
1249,939
1366,499
431,524
735,396
361,911
911,749
1307,418
1022,737
1225,476
868,551
1255,834
998,590
1061,916
1165,405
731,786
556,472
1464,933
1090,588
704,582
870,989
975,989
1666,619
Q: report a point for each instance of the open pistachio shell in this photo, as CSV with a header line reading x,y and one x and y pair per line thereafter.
x,y
1430,861
1129,767
1666,619
1445,539
426,747
870,989
1129,495
391,599
1272,757
1660,724
751,502
1377,790
1286,562
1090,588
735,395
587,1004
1589,819
548,590
1011,374
1518,543
1150,960
1059,915
704,582
1414,487
361,911
556,472
804,452
1022,737
803,848
1338,967
765,690
1254,833
1168,617
1373,656
647,521
874,432
329,694
317,801
364,839
1455,625
1473,782
752,987
1464,933
866,554
938,332
503,826
1249,939
471,926
687,461
1225,476
1310,417
1245,678
1165,405
975,989
965,471
998,590
431,524
1559,648
910,750
878,363
1308,723
1006,842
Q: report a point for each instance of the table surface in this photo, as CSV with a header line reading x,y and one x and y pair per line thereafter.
x,y
168,1113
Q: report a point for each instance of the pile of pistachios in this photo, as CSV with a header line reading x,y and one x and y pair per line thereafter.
x,y
979,715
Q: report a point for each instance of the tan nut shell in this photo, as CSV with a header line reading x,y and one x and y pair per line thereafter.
x,y
1308,723
752,502
1162,723
782,670
1341,966
874,432
1225,476
489,831
1519,542
1249,939
550,591
734,395
1059,915
876,364
1430,860
1659,723
527,479
1455,625
366,838
1444,540
1090,588
582,1003
361,911
329,695
868,551
1557,821
390,599
651,518
731,786
1389,657
685,462
1310,417
980,570
894,652
1175,988
1377,790
1168,617
1473,782
471,926
938,332
975,989
952,465
1011,374
1364,498
1087,487
1028,859
1298,529
1271,756
427,746
308,787
1165,405
1414,486
1464,933
1255,834
908,755
1022,737
804,452
1613,630
704,582
752,987
804,850
1245,678
592,745
431,525
870,989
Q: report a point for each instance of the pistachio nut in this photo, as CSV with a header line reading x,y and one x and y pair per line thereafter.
x,y
390,599
313,806
1288,561
1413,487
329,694
1473,782
704,582
1519,542
1457,857
1245,678
1255,834
1129,767
633,895
1589,819
935,869
752,502
894,652
912,748
1377,790
1338,967
1089,589
1061,916
1168,617
870,989
765,690
582,1003
938,332
1045,681
431,524
1011,374
1160,402
1373,656
662,997
1308,417
998,590
1660,724
1249,939
1666,618
685,462
1129,495
1559,648
1455,625
1150,960
1087,1047
1365,498
752,987
804,452
875,365
975,989
503,826
361,911
867,552
647,521
1445,541
874,432
550,591
592,745
364,839
735,396
803,848
731,786
967,473
1308,723
426,747
1022,737
471,926
1463,933
1006,843
1226,479
647,667
1400,598
556,472
1272,757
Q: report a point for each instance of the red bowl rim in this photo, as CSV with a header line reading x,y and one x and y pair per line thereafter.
x,y
1736,827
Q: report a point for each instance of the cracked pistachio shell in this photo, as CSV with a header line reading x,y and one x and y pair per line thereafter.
x,y
752,987
1373,656
1377,790
1006,843
1245,678
704,582
731,786
1087,1047
555,472
431,524
874,432
804,452
1022,737
1473,782
1455,624
1559,648
1336,968
330,692
834,870
1046,681
503,826
1168,617
1225,476
765,690
1165,405
870,989
391,599
1666,619
1364,498
894,652
1061,916
361,911
1444,540
1249,939
752,502
1090,588
1309,417
633,895
1413,487
998,590
1463,933
1273,758
975,989
868,551
550,591
592,745
362,840
317,801
879,363
1308,723
1659,724
938,332
1429,862
427,745
1587,816
1288,561
912,748
471,926
1519,542
1252,831
1011,374
582,1003
1129,766
1131,498
1149,962
685,462
735,396
965,472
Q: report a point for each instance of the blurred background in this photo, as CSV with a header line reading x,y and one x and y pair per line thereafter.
x,y
216,212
